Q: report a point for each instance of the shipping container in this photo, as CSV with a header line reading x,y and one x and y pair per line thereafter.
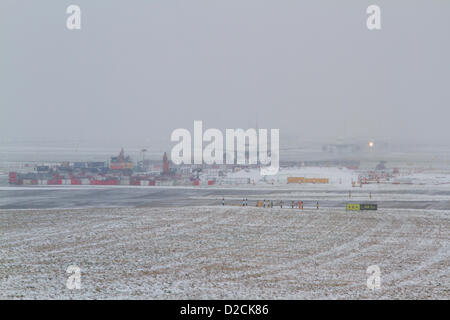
x,y
110,182
75,181
125,182
306,180
135,182
12,177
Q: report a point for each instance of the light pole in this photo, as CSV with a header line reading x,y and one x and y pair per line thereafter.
x,y
143,158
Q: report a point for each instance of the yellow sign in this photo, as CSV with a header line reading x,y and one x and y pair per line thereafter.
x,y
353,206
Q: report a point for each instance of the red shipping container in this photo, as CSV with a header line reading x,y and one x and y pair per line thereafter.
x,y
196,182
34,181
151,183
12,177
75,181
210,182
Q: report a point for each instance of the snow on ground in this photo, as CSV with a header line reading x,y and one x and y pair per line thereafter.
x,y
339,178
224,253
336,176
425,178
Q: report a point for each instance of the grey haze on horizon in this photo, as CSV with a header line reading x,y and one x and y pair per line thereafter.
x,y
139,69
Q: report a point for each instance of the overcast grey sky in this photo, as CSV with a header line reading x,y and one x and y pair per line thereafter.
x,y
139,69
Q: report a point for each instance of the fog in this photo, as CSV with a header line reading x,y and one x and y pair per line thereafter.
x,y
137,70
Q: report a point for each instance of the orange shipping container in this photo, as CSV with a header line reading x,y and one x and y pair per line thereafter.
x,y
306,180
295,179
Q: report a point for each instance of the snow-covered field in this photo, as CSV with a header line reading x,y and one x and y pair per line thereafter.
x,y
336,176
224,252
